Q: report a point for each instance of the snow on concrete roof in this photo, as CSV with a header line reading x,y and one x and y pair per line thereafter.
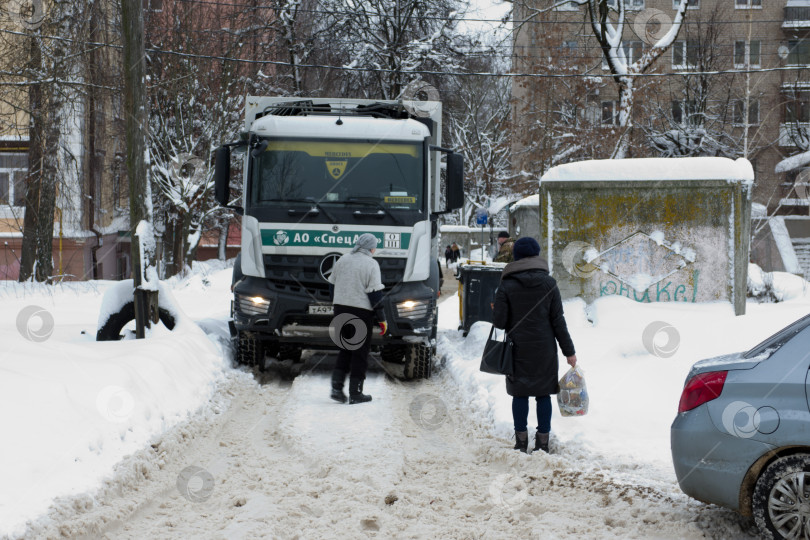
x,y
531,200
657,169
454,228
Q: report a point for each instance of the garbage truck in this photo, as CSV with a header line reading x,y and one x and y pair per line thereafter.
x,y
316,174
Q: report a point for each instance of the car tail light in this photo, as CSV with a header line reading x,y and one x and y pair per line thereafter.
x,y
701,389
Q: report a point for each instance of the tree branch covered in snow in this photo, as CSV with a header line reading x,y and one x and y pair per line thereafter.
x,y
622,65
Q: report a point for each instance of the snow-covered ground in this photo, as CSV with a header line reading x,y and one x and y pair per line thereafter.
x,y
71,408
164,438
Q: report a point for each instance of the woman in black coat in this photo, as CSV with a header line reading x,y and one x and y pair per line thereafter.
x,y
529,307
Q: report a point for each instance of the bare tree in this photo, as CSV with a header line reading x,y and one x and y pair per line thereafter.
x,y
623,66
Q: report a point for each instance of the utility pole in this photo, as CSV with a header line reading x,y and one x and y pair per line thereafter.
x,y
142,246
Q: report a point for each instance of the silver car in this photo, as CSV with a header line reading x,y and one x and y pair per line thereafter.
x,y
742,435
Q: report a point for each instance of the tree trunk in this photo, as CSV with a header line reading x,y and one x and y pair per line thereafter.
x,y
146,301
34,178
626,94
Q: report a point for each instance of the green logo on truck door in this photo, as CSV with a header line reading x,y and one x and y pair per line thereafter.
x,y
301,238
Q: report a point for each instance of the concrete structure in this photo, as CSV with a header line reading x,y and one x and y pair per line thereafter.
x,y
651,230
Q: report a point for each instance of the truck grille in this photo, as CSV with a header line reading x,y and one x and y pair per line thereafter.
x,y
300,274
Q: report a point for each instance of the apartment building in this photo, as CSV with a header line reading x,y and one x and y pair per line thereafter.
x,y
91,222
91,189
735,83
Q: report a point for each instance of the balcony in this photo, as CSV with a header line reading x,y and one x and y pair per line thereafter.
x,y
797,17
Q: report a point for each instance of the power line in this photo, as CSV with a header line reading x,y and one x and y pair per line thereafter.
x,y
426,72
532,20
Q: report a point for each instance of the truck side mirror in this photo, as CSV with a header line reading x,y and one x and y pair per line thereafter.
x,y
222,175
454,186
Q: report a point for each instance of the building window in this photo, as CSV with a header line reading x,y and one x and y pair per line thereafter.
x,y
798,52
738,112
797,108
685,112
693,4
610,113
13,170
629,5
746,54
567,6
747,4
685,54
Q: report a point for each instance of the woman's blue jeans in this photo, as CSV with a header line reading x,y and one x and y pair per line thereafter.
x,y
520,413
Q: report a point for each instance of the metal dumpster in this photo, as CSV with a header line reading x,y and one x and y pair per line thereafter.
x,y
476,288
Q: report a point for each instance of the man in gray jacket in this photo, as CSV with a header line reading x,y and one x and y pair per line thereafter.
x,y
357,297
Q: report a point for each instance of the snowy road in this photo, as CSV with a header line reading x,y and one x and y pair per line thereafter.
x,y
280,460
199,449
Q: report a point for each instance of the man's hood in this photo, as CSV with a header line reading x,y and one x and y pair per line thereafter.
x,y
522,270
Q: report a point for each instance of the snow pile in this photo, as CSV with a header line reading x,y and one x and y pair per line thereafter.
x,y
783,286
73,408
635,358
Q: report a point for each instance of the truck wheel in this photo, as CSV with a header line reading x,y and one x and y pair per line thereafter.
x,y
418,361
249,350
781,502
393,354
111,331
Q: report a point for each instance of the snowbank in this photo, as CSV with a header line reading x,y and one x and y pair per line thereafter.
x,y
71,408
784,285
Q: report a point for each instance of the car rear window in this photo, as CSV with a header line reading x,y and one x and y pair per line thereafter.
x,y
772,344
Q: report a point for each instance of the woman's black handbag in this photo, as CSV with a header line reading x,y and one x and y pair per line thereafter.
x,y
497,357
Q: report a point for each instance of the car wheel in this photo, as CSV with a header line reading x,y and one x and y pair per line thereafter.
x,y
781,502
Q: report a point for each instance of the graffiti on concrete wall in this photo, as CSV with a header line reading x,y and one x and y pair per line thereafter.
x,y
661,292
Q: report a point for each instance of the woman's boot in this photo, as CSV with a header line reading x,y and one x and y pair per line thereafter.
x,y
541,442
522,441
356,394
338,378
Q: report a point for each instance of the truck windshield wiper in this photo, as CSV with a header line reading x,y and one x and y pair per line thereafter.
x,y
378,205
315,204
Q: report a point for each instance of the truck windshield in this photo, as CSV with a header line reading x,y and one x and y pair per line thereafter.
x,y
366,176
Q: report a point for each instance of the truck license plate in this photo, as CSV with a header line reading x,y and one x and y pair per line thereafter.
x,y
321,309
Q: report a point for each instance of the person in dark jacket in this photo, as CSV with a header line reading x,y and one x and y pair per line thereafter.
x,y
448,256
528,306
505,245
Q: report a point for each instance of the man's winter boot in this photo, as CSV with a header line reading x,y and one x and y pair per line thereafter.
x,y
356,394
541,442
522,441
338,378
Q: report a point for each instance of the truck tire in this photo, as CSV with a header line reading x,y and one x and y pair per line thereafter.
x,y
393,354
249,350
111,331
418,361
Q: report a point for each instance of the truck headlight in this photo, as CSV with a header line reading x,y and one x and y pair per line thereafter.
x,y
252,305
413,309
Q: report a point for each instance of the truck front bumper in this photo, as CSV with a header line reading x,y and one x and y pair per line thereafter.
x,y
284,317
